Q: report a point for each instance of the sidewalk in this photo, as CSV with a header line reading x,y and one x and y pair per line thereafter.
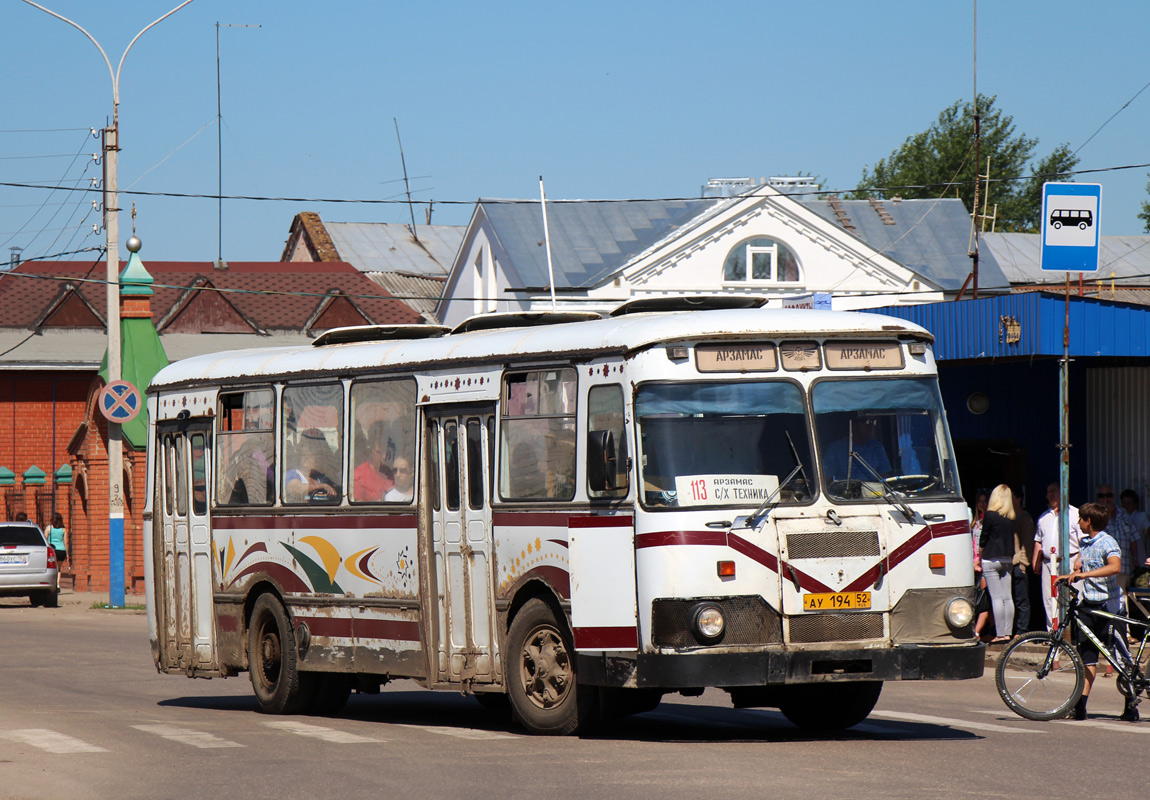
x,y
83,601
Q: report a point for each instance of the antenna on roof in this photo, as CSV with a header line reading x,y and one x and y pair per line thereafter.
x,y
547,241
406,185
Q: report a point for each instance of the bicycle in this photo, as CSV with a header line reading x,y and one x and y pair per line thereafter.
x,y
1040,675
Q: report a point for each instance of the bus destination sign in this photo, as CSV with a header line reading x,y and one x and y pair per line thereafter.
x,y
736,357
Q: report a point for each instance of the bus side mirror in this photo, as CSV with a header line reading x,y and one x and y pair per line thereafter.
x,y
602,462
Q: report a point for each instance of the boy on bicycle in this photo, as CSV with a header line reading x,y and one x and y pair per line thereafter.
x,y
1098,563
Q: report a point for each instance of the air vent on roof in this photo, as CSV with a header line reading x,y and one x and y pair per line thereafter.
x,y
708,302
378,333
487,322
886,218
837,206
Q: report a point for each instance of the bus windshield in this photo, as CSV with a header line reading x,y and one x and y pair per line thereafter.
x,y
896,430
723,444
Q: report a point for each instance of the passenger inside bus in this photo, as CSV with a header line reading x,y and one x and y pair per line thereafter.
x,y
404,488
374,477
307,482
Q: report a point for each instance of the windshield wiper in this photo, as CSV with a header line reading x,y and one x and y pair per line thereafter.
x,y
887,494
760,515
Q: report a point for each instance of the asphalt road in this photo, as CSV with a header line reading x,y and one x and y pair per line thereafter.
x,y
83,714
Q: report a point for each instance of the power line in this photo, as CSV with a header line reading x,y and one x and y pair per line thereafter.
x,y
495,201
1112,116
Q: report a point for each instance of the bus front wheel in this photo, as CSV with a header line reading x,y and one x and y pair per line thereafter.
x,y
830,706
279,685
541,681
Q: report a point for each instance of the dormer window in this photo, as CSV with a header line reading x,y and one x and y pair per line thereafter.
x,y
761,260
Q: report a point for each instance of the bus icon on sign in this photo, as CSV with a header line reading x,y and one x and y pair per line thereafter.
x,y
1082,218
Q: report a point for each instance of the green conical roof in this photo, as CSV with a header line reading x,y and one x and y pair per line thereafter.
x,y
141,354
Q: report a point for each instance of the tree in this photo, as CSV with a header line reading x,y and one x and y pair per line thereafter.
x,y
940,162
1144,215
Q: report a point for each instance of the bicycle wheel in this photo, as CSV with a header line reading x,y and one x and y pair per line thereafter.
x,y
1039,677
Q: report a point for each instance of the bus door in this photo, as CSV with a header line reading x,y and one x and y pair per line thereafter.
x,y
461,450
184,602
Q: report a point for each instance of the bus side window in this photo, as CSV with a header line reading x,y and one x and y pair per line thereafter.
x,y
605,413
451,464
433,464
199,475
313,443
537,452
475,487
245,444
382,441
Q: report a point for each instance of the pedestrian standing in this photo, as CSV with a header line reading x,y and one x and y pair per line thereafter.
x,y
996,550
1129,502
1046,559
1097,566
1020,569
58,538
1121,529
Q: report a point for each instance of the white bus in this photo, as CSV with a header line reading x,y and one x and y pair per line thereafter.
x,y
574,515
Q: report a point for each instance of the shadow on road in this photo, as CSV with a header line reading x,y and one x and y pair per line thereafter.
x,y
670,722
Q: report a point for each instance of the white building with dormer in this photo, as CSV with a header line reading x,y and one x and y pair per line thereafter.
x,y
862,253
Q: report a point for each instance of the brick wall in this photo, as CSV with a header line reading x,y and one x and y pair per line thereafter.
x,y
41,415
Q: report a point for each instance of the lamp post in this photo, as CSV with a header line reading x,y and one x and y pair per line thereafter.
x,y
111,148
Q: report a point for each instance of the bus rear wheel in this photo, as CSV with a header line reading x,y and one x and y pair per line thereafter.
x,y
829,706
541,684
279,685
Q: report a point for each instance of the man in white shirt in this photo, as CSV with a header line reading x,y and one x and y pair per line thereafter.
x,y
1045,561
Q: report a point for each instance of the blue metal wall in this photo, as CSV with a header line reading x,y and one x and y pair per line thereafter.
x,y
975,328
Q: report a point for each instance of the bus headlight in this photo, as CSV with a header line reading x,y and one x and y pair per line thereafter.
x,y
709,622
959,612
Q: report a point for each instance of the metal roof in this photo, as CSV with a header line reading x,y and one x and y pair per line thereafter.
x,y
390,247
1020,256
931,237
421,293
613,335
589,240
983,328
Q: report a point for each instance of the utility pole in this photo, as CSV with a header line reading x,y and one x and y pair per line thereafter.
x,y
111,147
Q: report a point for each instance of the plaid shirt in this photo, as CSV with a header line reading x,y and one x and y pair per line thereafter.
x,y
1095,553
1121,528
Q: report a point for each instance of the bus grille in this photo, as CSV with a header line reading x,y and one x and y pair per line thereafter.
x,y
750,621
833,544
812,628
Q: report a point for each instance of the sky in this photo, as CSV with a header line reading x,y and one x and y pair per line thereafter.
x,y
605,100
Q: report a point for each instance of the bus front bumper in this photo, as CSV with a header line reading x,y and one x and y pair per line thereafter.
x,y
778,667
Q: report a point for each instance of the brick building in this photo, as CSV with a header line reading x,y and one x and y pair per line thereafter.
x,y
53,439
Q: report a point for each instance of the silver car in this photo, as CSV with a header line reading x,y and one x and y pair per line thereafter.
x,y
27,564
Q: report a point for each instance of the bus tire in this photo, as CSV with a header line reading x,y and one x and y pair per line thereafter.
x,y
829,706
273,662
541,683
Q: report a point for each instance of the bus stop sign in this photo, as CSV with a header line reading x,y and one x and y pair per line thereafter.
x,y
1070,226
120,402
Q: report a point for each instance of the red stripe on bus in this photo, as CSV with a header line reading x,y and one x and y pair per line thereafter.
x,y
606,638
668,538
328,522
347,628
553,519
906,550
601,522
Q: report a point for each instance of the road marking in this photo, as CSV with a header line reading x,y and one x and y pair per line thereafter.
x,y
1110,725
461,733
949,721
187,736
319,732
51,741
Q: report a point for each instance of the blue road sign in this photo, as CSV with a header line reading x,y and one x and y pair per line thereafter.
x,y
120,402
1070,226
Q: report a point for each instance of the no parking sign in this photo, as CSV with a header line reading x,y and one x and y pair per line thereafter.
x,y
120,402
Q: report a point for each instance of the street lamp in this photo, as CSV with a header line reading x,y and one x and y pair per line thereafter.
x,y
111,150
